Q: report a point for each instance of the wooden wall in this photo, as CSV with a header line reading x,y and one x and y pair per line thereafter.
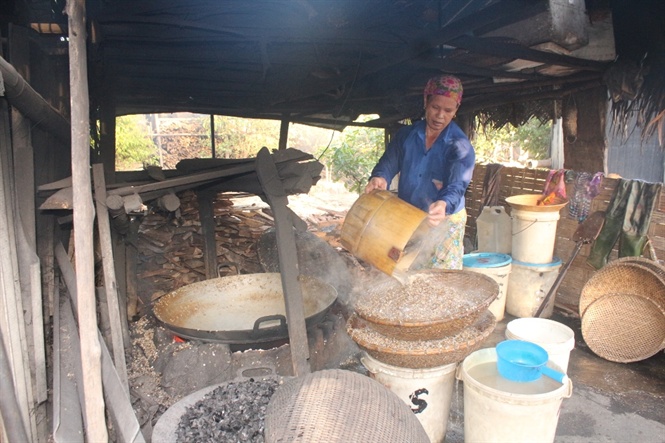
x,y
515,181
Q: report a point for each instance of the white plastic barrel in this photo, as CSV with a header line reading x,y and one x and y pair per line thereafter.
x,y
556,338
494,230
427,391
495,412
528,286
534,234
498,267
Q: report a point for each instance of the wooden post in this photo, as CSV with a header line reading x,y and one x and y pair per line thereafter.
x,y
284,133
212,136
207,217
107,137
288,260
110,285
95,421
12,323
131,263
24,179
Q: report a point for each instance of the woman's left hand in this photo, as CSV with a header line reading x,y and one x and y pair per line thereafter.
x,y
437,213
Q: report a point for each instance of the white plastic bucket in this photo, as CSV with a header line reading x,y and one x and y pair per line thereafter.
x,y
427,391
494,229
493,413
497,267
528,286
556,338
534,234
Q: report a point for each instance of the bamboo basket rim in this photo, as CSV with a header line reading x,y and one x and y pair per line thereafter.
x,y
635,318
484,287
529,202
625,277
483,327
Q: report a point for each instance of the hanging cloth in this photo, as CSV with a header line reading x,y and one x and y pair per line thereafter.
x,y
586,188
555,186
491,186
627,218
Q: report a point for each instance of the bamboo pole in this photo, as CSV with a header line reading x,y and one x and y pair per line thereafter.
x,y
95,422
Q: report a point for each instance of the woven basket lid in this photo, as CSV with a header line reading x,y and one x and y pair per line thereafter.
x,y
339,406
625,277
624,328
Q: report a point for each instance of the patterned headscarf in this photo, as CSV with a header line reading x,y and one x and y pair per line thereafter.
x,y
445,85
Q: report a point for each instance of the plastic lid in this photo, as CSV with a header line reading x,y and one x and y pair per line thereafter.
x,y
486,260
556,261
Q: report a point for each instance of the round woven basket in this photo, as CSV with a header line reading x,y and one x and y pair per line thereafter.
x,y
651,265
630,276
338,406
624,328
432,304
421,354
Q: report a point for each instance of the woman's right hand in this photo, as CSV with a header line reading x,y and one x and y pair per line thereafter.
x,y
376,183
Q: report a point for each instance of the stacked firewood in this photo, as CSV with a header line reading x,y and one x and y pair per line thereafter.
x,y
170,245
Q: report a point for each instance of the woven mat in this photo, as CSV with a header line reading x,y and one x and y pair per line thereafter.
x,y
339,406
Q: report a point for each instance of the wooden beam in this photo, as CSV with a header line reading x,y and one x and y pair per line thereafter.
x,y
288,261
284,133
496,47
12,323
21,95
119,402
95,421
550,94
516,9
107,147
26,235
110,284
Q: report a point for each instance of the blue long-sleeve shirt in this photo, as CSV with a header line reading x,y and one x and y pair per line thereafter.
x,y
450,160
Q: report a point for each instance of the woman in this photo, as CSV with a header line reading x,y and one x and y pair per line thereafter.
x,y
435,161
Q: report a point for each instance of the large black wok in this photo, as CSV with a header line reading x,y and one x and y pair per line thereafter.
x,y
239,309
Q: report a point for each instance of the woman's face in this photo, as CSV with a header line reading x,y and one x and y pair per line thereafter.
x,y
439,112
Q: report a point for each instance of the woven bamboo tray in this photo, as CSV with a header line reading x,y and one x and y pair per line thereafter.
x,y
421,354
624,328
434,304
334,405
631,277
652,265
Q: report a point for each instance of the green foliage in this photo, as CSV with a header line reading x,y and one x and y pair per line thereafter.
x,y
182,135
535,138
242,138
353,156
508,143
133,141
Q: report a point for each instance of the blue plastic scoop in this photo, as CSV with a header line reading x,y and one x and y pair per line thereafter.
x,y
523,361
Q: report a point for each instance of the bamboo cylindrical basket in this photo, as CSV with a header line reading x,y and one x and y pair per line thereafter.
x,y
384,230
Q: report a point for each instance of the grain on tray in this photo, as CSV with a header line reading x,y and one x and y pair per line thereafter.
x,y
423,353
427,296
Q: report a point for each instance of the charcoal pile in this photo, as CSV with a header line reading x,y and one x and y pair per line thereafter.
x,y
233,412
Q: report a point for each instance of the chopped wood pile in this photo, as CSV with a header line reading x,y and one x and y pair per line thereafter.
x,y
171,245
